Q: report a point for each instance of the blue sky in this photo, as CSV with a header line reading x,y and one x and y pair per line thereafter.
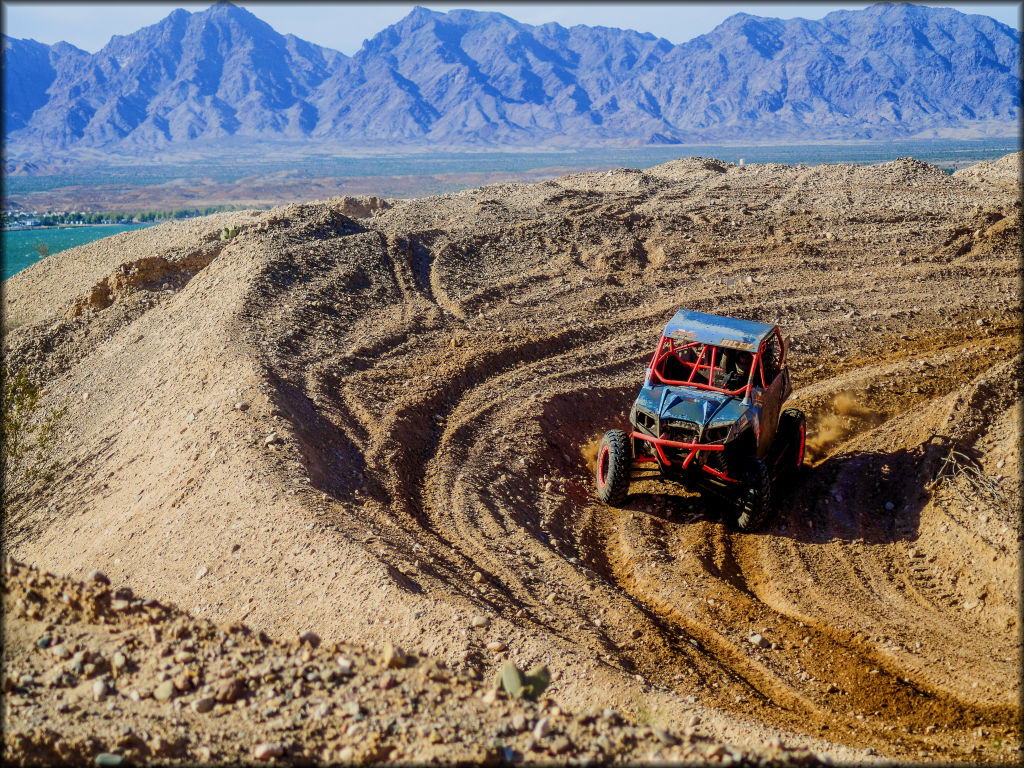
x,y
344,26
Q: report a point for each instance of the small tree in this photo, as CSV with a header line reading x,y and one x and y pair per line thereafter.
x,y
42,249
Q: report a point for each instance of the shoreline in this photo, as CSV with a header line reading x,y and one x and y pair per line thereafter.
x,y
75,226
301,178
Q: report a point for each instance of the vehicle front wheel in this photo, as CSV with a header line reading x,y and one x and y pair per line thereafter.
x,y
614,458
755,497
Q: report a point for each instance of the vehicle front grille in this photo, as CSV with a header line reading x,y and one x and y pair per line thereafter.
x,y
683,431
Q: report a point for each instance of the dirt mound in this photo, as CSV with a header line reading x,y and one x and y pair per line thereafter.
x,y
1004,172
376,428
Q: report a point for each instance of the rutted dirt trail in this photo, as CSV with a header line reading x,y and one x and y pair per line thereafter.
x,y
376,427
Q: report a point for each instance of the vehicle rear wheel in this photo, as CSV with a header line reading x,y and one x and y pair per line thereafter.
x,y
755,497
614,458
793,434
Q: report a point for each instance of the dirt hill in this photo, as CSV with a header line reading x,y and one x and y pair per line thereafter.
x,y
374,421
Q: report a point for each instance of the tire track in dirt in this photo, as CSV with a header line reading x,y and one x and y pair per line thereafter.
x,y
864,576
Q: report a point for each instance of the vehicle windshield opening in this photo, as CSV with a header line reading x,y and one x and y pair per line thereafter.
x,y
704,366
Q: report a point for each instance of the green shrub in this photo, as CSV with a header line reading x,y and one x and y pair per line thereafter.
x,y
228,233
518,685
28,432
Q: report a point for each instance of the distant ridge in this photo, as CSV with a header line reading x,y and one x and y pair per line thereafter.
x,y
469,78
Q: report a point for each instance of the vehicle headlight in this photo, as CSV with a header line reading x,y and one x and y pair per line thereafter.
x,y
717,433
645,419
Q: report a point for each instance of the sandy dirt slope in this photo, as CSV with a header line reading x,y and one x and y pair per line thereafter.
x,y
378,427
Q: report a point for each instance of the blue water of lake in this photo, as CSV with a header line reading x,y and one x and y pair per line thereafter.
x,y
22,246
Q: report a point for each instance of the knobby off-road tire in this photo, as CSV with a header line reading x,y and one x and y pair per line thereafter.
x,y
756,496
793,434
614,459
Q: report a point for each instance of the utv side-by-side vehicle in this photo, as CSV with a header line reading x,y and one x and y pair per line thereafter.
x,y
709,415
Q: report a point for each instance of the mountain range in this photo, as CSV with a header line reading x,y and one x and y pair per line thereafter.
x,y
469,78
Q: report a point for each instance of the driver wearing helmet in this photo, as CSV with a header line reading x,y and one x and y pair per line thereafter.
x,y
740,374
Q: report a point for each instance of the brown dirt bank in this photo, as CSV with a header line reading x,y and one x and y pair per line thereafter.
x,y
374,428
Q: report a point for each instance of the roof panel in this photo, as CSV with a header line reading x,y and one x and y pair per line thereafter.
x,y
715,329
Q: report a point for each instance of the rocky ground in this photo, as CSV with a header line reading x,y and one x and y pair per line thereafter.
x,y
96,675
375,422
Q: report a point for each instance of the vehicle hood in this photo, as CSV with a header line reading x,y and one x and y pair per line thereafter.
x,y
699,406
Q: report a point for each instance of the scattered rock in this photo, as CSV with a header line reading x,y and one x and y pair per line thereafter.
x,y
480,621
164,691
99,689
184,682
60,651
204,704
267,751
541,729
352,708
230,690
394,657
309,638
496,646
561,744
665,737
98,577
758,640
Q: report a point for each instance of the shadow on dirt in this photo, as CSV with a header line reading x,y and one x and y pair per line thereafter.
x,y
875,497
332,460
